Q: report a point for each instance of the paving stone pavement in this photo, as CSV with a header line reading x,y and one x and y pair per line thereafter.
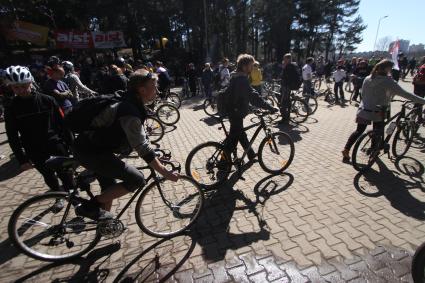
x,y
320,221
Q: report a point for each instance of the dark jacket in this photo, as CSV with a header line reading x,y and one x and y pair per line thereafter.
x,y
207,77
33,123
117,82
290,75
242,94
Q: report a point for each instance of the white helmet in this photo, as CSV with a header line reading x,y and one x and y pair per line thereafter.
x,y
18,75
67,65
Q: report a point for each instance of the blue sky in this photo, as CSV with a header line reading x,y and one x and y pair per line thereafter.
x,y
405,21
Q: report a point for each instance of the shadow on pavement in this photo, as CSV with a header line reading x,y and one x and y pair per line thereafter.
x,y
384,182
159,261
9,170
294,130
169,129
211,230
85,273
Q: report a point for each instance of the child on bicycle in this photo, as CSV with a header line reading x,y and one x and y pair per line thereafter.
x,y
378,90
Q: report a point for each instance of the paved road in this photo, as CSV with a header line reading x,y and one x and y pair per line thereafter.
x,y
318,222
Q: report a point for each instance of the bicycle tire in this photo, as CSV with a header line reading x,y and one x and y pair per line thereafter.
x,y
300,108
210,107
163,115
154,129
286,139
221,174
312,105
400,136
175,99
152,207
13,231
418,265
330,98
317,84
355,152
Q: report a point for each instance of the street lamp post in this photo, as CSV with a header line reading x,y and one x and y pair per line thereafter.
x,y
377,31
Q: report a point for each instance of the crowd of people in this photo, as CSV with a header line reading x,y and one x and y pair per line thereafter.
x,y
36,107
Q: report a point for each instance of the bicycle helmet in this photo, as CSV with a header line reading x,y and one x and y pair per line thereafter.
x,y
18,75
68,66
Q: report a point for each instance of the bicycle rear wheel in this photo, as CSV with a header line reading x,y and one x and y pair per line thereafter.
x,y
312,105
276,153
402,140
154,129
43,230
168,114
175,99
330,97
364,155
208,164
418,265
210,107
167,208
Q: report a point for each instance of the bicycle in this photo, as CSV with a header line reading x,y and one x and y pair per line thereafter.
x,y
154,129
370,144
418,265
170,97
210,106
44,231
209,164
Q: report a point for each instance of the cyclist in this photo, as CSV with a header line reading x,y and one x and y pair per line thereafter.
x,y
378,90
419,86
360,73
120,129
74,83
34,129
224,73
57,88
192,79
241,95
164,79
290,81
307,74
117,79
339,76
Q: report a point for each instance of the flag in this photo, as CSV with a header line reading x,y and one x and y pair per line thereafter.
x,y
394,54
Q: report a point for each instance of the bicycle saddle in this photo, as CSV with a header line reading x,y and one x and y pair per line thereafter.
x,y
61,162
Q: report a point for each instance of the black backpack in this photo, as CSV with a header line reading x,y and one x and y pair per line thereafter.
x,y
224,100
295,79
80,118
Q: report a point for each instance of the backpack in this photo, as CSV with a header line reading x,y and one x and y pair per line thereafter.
x,y
224,102
295,80
80,118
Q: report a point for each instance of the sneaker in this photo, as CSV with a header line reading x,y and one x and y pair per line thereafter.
x,y
91,210
345,156
58,206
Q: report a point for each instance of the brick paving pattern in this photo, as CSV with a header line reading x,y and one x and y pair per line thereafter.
x,y
320,221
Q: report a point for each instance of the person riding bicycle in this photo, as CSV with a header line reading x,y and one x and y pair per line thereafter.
x,y
34,127
419,87
119,130
241,95
378,90
360,73
74,83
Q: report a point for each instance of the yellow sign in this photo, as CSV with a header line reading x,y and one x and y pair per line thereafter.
x,y
28,32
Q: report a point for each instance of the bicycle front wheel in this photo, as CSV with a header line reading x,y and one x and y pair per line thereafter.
x,y
166,208
418,265
364,153
210,107
168,114
402,140
209,165
175,99
276,152
154,129
45,227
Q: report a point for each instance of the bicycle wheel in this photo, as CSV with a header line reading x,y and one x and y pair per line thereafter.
x,y
300,109
208,164
175,99
168,114
270,100
154,129
402,140
312,105
210,107
418,265
330,98
317,84
276,153
44,231
364,155
167,208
